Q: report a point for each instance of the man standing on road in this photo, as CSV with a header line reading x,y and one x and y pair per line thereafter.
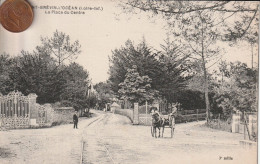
x,y
75,120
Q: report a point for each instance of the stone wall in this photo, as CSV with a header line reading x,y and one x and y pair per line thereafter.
x,y
49,111
125,112
63,115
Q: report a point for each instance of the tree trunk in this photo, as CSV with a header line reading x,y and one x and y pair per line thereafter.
x,y
206,90
206,85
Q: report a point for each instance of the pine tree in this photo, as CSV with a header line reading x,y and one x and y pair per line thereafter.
x,y
136,88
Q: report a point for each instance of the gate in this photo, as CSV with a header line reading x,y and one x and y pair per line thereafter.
x,y
144,114
250,126
14,110
145,119
245,123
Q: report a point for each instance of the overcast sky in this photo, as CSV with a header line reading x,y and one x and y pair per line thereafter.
x,y
99,32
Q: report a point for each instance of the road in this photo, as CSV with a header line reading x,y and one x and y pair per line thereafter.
x,y
110,138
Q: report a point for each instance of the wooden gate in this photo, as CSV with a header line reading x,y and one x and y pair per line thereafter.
x,y
14,110
145,119
144,115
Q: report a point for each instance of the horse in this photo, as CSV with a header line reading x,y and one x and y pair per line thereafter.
x,y
157,122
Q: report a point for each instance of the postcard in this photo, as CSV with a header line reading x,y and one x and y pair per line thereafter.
x,y
106,81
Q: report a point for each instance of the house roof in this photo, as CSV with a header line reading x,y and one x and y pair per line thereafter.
x,y
115,105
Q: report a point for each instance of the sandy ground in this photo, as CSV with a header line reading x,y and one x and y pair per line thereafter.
x,y
56,145
114,140
110,138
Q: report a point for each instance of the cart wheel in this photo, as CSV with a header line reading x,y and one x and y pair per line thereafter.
x,y
172,131
172,126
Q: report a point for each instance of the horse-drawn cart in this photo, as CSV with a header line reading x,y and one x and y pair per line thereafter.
x,y
162,121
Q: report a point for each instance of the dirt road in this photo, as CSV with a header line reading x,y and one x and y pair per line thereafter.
x,y
110,138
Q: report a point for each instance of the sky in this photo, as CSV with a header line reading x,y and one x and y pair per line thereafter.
x,y
98,32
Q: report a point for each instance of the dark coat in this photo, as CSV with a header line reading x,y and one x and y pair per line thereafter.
x,y
75,118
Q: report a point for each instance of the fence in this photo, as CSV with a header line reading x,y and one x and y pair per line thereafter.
x,y
62,115
19,111
146,119
251,126
190,117
14,111
245,123
140,115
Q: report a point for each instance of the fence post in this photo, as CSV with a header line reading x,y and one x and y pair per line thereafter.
x,y
247,126
197,111
136,114
244,130
219,120
146,112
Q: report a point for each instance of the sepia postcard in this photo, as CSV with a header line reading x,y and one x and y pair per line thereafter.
x,y
129,82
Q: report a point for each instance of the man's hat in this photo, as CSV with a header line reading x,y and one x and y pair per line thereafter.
x,y
154,108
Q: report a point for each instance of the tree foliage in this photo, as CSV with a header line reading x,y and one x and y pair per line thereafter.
x,y
124,58
236,90
60,47
223,14
175,71
34,73
75,86
197,26
136,88
38,72
164,68
104,94
6,65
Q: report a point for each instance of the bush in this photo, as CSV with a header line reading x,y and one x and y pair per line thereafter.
x,y
220,124
56,123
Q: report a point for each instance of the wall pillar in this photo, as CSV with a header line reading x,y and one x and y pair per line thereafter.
x,y
33,111
252,124
235,123
136,114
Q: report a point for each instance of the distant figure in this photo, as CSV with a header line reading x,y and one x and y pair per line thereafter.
x,y
154,110
174,108
75,120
